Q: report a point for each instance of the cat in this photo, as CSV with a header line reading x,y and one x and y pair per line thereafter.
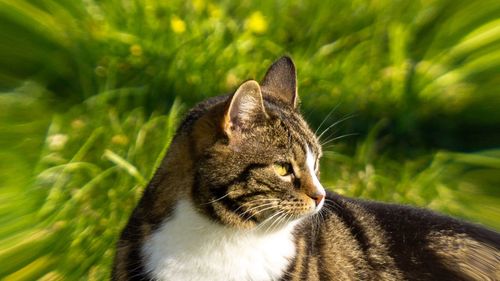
x,y
238,197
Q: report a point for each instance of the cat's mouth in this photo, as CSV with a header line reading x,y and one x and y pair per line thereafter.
x,y
285,212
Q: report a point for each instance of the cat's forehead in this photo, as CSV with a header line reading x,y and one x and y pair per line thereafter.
x,y
294,130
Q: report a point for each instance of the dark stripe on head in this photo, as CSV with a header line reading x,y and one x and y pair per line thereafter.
x,y
294,124
267,184
244,197
218,195
235,207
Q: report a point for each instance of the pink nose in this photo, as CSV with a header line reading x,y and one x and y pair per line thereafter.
x,y
317,198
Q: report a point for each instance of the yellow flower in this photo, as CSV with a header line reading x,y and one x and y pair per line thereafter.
x,y
215,12
199,5
119,139
177,25
256,23
136,50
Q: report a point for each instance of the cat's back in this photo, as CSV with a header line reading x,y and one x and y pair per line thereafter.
x,y
354,239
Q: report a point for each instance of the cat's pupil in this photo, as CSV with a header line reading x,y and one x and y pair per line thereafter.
x,y
283,169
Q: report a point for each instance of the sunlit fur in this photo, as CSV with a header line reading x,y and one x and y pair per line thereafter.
x,y
218,209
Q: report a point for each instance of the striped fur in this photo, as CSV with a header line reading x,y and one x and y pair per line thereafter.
x,y
218,209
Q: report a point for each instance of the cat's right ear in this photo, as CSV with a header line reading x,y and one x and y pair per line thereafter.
x,y
245,107
280,81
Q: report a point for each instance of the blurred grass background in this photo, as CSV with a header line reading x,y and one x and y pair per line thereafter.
x,y
91,93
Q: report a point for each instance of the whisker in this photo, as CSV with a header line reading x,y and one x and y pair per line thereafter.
x,y
283,220
269,228
251,208
266,199
268,219
218,199
339,121
227,194
326,118
255,201
256,207
330,135
339,137
267,207
333,204
289,219
321,218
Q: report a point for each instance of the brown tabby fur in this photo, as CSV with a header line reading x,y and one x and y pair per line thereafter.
x,y
349,239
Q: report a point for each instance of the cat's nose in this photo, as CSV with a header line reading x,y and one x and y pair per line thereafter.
x,y
317,197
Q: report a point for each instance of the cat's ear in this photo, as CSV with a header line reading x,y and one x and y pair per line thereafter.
x,y
245,107
280,81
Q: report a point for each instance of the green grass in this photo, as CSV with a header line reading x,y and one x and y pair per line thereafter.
x,y
94,162
92,91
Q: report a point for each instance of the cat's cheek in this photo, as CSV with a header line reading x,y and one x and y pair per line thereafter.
x,y
307,205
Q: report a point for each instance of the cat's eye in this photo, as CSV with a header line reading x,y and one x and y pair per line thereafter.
x,y
283,169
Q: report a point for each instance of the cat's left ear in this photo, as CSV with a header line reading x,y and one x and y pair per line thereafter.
x,y
245,107
280,81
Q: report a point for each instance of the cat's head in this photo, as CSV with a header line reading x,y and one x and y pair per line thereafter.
x,y
256,158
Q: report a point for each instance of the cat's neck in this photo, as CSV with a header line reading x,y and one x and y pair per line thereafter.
x,y
188,246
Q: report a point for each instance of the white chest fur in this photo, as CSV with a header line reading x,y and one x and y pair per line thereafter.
x,y
189,247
